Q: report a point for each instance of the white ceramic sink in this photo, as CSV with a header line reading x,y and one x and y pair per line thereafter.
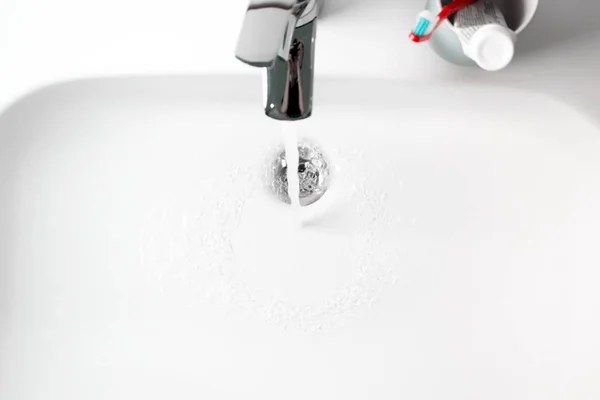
x,y
455,256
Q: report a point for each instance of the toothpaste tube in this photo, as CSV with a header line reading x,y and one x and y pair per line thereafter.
x,y
484,35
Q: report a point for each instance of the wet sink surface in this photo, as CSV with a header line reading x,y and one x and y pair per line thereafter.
x,y
455,255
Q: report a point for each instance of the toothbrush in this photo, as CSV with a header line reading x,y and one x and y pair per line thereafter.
x,y
427,22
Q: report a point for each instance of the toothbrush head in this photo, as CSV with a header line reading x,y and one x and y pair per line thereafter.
x,y
426,22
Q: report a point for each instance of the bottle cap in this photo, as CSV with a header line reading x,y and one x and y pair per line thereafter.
x,y
492,47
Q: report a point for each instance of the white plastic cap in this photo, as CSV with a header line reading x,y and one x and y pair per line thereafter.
x,y
492,47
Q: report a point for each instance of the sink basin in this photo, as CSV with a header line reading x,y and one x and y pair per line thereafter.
x,y
455,255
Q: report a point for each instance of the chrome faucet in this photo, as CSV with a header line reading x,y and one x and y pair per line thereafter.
x,y
279,35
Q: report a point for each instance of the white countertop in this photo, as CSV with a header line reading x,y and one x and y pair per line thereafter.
x,y
48,42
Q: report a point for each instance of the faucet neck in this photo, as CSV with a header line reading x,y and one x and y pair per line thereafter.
x,y
290,82
280,36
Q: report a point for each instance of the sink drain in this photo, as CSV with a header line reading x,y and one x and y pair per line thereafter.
x,y
313,174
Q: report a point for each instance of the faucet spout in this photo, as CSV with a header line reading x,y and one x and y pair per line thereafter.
x,y
280,36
